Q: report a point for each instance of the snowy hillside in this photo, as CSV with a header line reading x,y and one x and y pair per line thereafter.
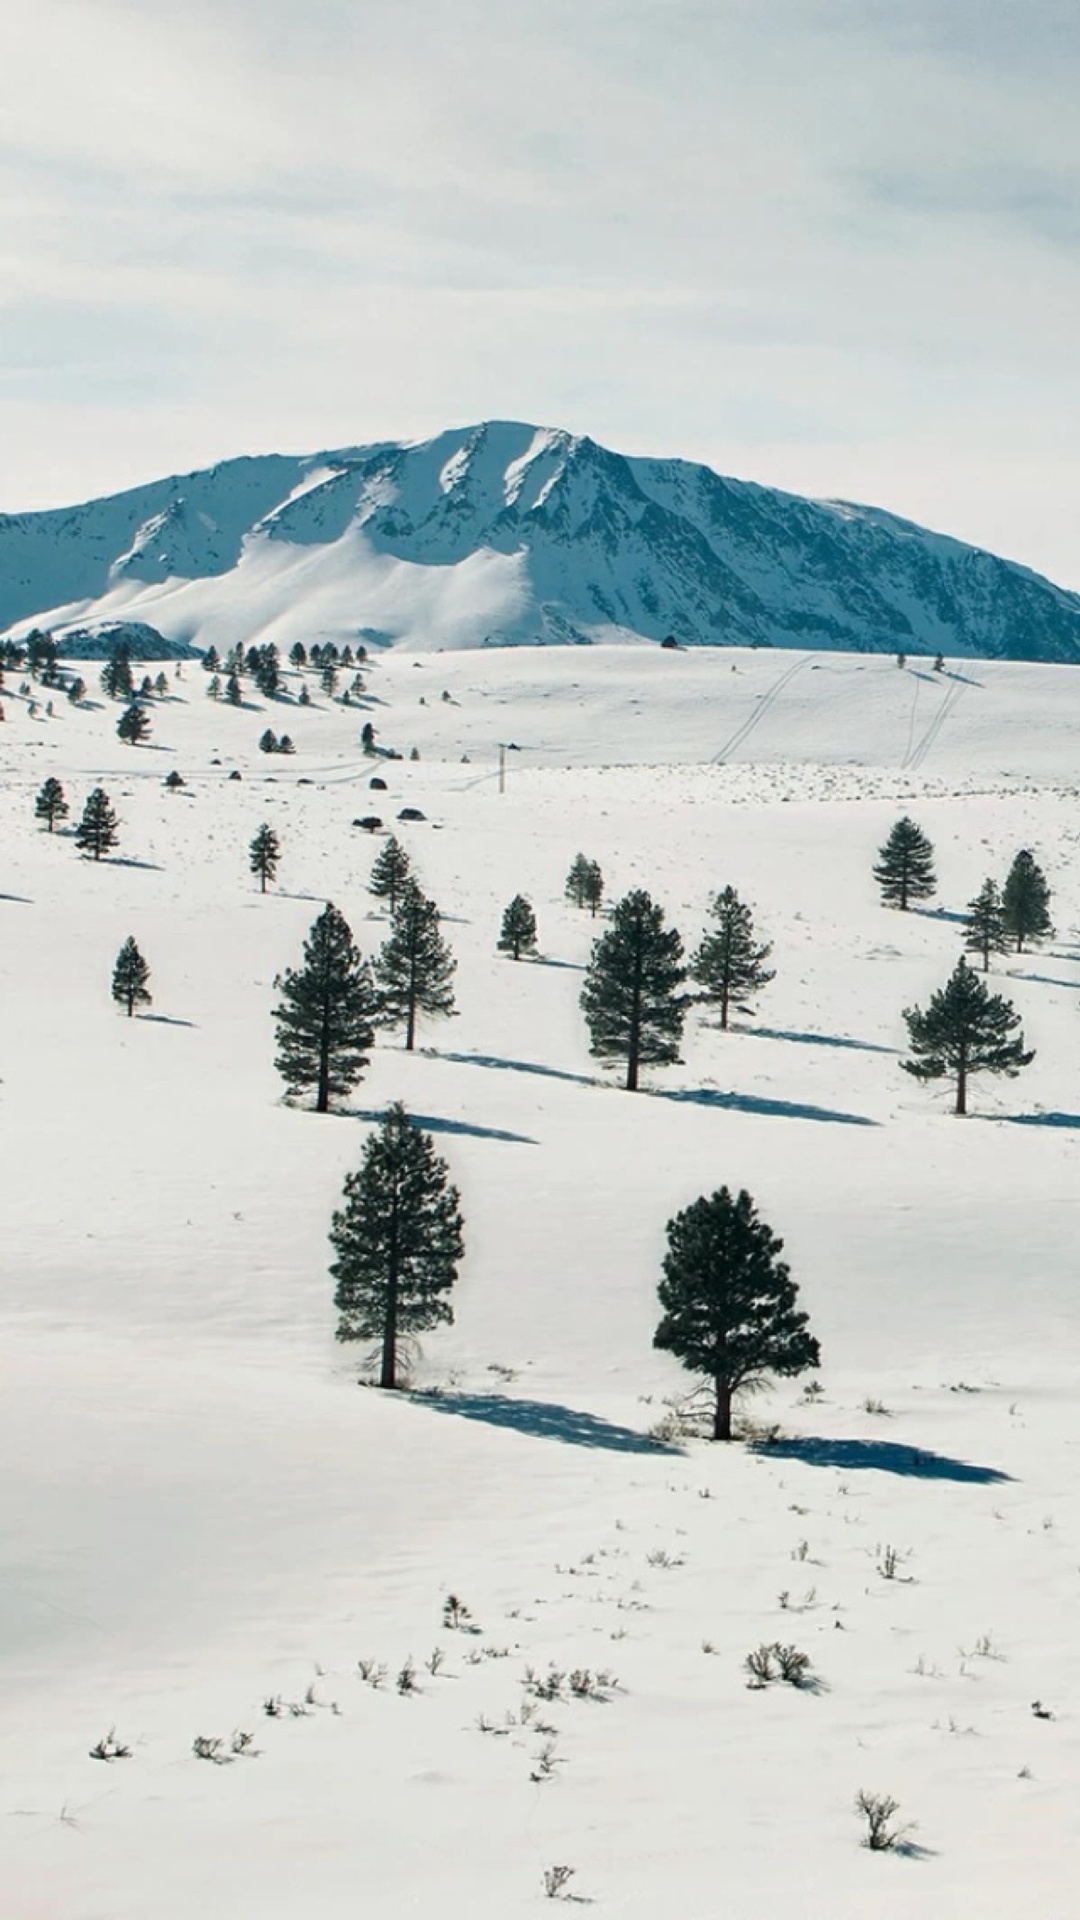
x,y
203,1511
505,533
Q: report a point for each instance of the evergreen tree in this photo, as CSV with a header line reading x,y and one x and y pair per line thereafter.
x,y
268,741
303,698
76,691
325,1019
233,693
210,660
50,804
905,869
264,854
213,687
398,1241
96,832
965,1029
1025,901
285,744
328,679
518,933
984,926
268,671
414,968
130,975
728,965
585,883
390,871
298,655
367,737
133,725
729,1302
161,686
631,997
117,680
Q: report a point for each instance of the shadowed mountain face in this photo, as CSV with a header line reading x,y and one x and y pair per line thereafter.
x,y
511,534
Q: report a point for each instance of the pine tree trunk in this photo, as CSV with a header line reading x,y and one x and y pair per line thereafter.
x,y
322,1097
388,1374
634,1043
722,1412
724,1006
262,879
131,1005
961,1086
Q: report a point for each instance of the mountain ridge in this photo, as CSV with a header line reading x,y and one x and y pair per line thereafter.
x,y
506,533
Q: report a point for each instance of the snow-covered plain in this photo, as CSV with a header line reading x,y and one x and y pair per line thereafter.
x,y
203,1510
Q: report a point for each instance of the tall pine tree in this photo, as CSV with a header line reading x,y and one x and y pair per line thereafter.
x,y
389,872
50,804
585,883
965,1029
325,1019
133,726
264,853
130,976
398,1241
518,933
905,869
414,968
1025,901
729,964
729,1301
631,998
96,832
984,924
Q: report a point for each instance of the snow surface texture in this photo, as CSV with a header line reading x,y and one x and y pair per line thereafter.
x,y
203,1511
507,534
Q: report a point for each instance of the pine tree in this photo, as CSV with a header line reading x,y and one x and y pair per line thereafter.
x,y
367,737
264,854
267,670
96,832
133,725
631,999
210,660
233,692
50,804
76,691
414,967
728,965
585,883
390,871
130,975
325,1019
268,741
518,933
729,1302
964,1030
117,680
298,654
984,926
398,1241
328,679
213,687
905,869
1025,901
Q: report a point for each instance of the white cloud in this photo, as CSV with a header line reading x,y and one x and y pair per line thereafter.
x,y
827,243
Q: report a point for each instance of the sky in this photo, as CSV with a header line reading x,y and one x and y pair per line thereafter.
x,y
832,245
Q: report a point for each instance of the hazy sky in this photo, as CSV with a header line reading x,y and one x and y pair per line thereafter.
x,y
829,244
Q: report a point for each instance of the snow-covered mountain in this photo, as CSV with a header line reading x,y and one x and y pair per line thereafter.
x,y
512,534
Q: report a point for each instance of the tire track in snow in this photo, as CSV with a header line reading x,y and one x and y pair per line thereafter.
x,y
915,760
767,700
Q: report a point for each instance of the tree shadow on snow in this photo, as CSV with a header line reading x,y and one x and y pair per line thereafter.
x,y
565,966
433,1124
165,1020
1043,979
819,1039
1042,1119
148,866
17,899
882,1456
756,1103
545,1420
514,1066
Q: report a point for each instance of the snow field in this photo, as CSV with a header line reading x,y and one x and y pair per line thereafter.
x,y
202,1509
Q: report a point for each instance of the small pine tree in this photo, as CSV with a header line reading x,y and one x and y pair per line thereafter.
x,y
389,872
298,655
964,1030
325,1018
367,737
728,965
631,999
1025,901
76,691
518,933
96,832
268,741
130,975
729,1301
233,692
905,869
117,680
50,804
210,660
328,679
414,968
398,1241
161,686
585,883
984,925
264,854
303,698
213,687
133,725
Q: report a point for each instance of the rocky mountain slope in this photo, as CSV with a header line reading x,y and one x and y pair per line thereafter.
x,y
509,534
